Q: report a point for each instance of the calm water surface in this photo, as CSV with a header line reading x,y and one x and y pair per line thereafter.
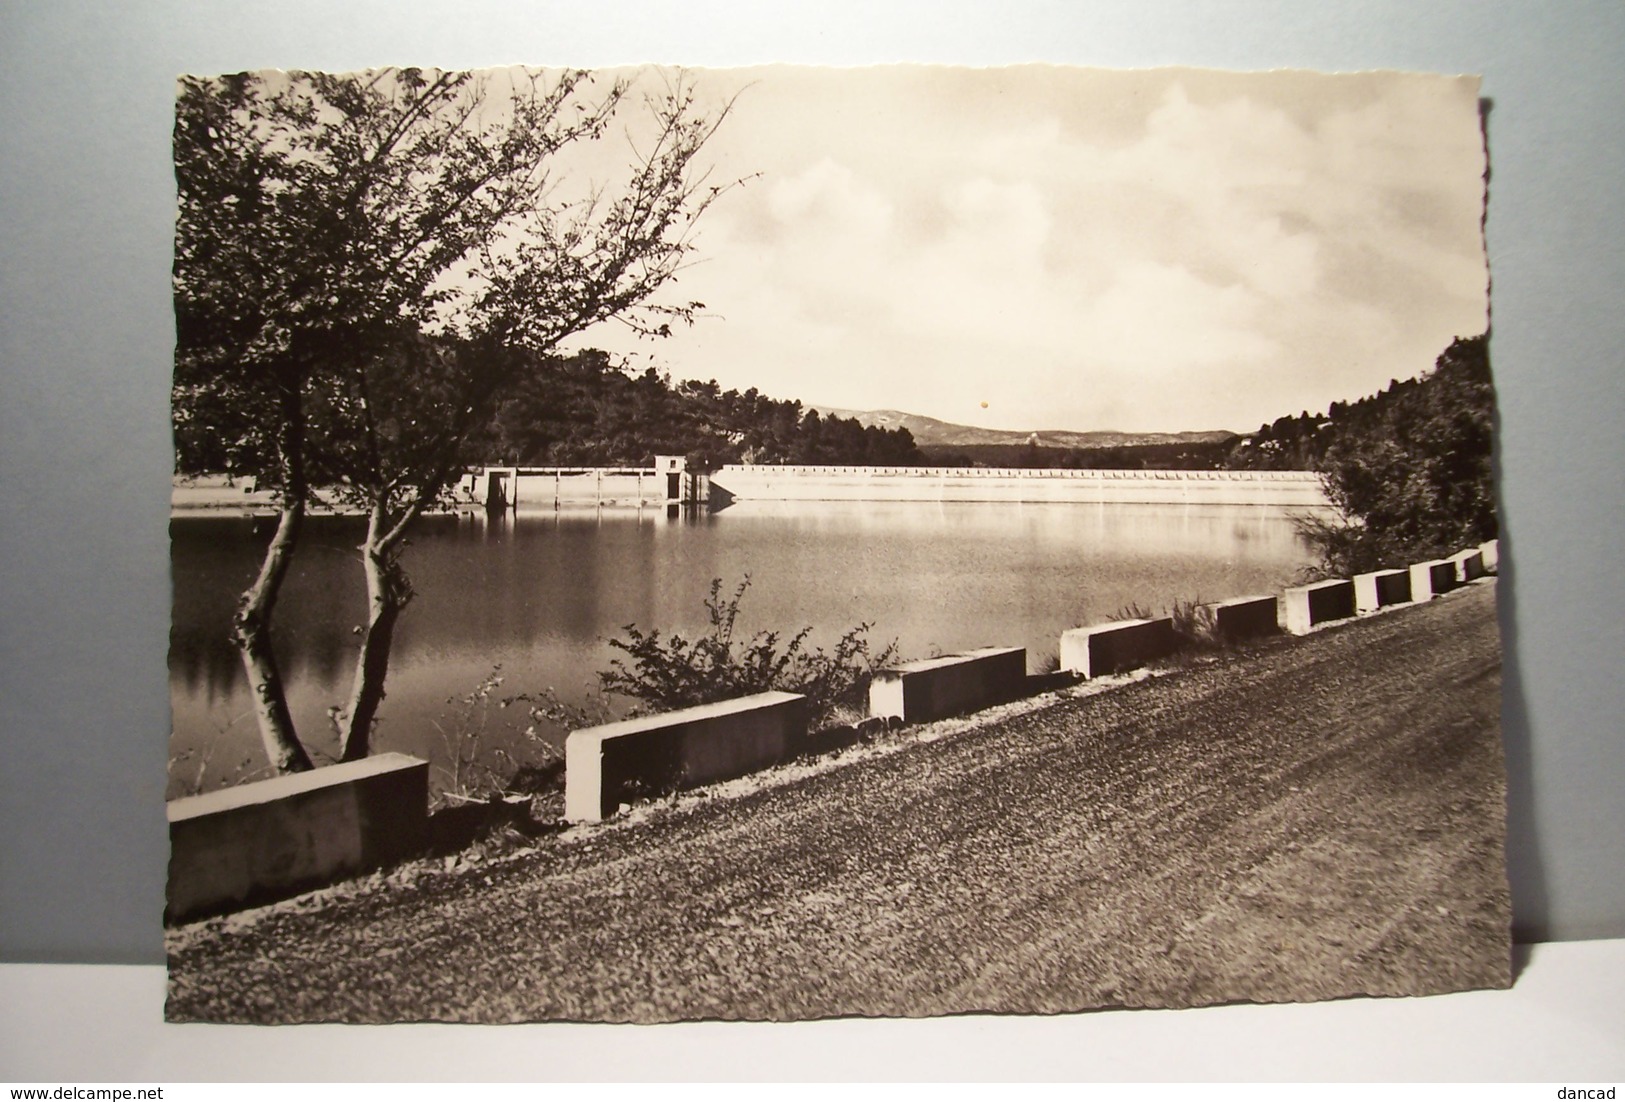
x,y
541,595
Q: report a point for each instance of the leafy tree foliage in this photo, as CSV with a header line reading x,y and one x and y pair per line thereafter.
x,y
364,261
1410,471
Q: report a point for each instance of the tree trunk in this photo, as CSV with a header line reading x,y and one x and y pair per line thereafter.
x,y
388,592
251,630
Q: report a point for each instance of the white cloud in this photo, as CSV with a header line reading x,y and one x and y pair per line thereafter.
x,y
1233,256
828,199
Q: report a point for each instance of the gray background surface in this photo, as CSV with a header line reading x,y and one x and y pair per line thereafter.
x,y
86,204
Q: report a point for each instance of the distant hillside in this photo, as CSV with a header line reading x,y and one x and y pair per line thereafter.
x,y
584,409
928,432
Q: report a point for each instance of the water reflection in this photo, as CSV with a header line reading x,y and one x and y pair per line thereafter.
x,y
541,593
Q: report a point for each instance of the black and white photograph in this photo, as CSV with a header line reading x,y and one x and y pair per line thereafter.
x,y
785,543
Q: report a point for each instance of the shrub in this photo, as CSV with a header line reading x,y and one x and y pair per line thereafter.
x,y
1347,546
472,771
1195,623
664,674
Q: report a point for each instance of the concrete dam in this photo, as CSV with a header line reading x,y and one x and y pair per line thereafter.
x,y
668,482
1292,489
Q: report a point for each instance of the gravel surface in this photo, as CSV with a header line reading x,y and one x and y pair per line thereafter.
x,y
1312,818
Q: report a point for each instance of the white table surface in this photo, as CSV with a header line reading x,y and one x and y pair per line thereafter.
x,y
1563,1022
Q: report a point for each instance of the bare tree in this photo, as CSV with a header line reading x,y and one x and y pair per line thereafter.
x,y
363,263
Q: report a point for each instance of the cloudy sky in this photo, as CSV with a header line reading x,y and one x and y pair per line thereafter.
x,y
1047,248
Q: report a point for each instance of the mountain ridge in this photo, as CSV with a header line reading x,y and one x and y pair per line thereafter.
x,y
931,432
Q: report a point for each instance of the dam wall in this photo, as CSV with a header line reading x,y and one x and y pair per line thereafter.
x,y
1297,489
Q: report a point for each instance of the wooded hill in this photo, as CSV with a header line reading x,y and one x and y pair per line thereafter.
x,y
583,410
1410,469
1452,405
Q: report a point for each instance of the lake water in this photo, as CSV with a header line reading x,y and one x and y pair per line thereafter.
x,y
541,595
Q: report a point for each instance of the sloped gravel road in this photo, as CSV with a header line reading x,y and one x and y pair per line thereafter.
x,y
1313,818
